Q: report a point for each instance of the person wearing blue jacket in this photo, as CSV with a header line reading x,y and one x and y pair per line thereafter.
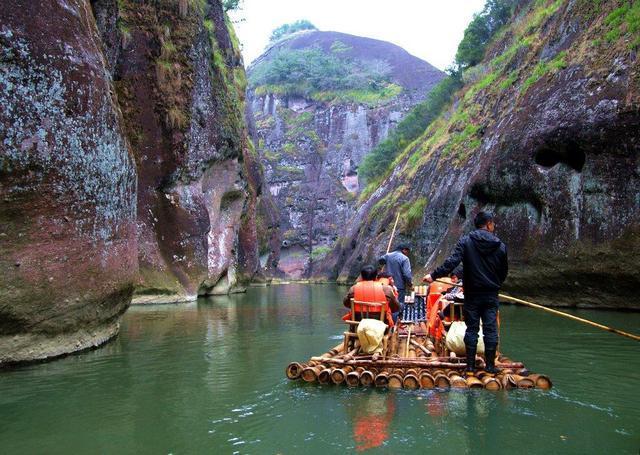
x,y
397,264
485,267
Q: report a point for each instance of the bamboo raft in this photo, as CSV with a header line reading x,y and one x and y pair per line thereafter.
x,y
411,359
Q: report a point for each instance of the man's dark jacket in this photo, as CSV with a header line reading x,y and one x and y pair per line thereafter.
x,y
484,258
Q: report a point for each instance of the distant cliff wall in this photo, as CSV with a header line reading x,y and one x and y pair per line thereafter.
x,y
311,144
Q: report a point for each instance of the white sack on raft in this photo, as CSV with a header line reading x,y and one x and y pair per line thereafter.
x,y
370,334
455,338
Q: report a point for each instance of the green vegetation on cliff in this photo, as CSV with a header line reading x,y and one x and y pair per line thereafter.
x,y
483,27
497,59
324,76
378,164
287,29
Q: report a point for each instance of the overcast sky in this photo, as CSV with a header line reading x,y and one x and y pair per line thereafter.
x,y
429,29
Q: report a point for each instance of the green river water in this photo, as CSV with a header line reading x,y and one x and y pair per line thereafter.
x,y
208,377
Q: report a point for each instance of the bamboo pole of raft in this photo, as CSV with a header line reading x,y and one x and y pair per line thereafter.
x,y
426,381
366,378
353,379
395,381
491,383
524,382
339,374
382,379
474,383
324,377
393,232
408,363
457,382
561,313
294,369
410,381
442,381
406,349
310,374
541,381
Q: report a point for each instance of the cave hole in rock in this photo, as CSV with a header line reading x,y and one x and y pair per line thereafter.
x,y
568,153
462,211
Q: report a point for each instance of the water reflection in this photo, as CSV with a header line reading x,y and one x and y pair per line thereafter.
x,y
371,415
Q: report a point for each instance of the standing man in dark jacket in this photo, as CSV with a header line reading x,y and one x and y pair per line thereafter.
x,y
398,266
485,267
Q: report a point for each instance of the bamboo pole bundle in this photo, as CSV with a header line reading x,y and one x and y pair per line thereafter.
x,y
310,374
382,379
541,381
339,374
294,369
353,379
457,382
491,383
426,380
410,381
474,383
366,378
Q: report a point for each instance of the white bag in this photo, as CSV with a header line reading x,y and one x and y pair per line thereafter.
x,y
455,338
370,334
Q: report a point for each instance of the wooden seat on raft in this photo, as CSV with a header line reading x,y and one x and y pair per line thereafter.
x,y
364,310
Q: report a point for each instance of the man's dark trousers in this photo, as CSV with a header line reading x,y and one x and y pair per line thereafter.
x,y
485,307
401,294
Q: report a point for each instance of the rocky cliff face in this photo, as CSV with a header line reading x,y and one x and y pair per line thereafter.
x,y
311,143
546,134
68,185
180,80
122,143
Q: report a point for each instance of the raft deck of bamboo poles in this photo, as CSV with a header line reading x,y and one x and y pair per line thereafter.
x,y
411,361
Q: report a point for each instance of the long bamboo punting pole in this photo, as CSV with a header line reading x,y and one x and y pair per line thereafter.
x,y
561,313
393,232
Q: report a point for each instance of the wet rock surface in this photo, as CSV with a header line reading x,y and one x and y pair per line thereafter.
x,y
180,81
125,166
311,150
555,156
68,191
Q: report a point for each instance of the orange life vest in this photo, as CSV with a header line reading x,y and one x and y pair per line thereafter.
x,y
371,292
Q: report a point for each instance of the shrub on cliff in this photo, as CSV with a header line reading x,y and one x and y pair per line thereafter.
x,y
322,75
377,162
288,29
482,28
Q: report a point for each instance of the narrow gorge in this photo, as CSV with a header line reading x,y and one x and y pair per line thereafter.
x,y
140,163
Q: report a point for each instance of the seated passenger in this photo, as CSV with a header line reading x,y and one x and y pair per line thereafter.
x,y
369,290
